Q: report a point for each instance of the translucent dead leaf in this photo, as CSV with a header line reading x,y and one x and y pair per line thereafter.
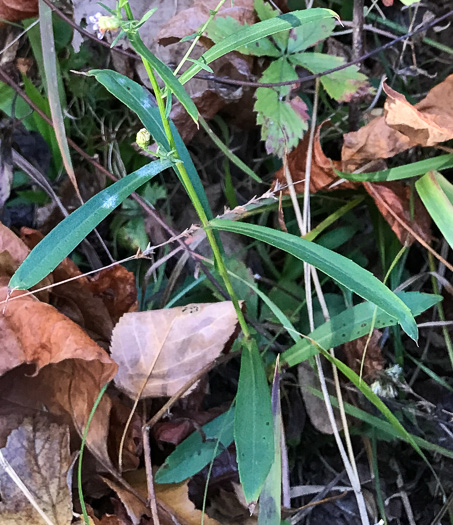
x,y
38,452
158,351
403,126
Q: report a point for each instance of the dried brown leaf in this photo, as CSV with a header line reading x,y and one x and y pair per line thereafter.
x,y
158,351
373,362
67,370
314,405
38,451
322,174
403,126
15,10
394,198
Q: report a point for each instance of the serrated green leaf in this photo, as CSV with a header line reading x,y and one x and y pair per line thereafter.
x,y
340,85
281,126
223,27
442,162
265,11
248,35
199,449
437,202
253,428
65,237
353,323
343,270
302,38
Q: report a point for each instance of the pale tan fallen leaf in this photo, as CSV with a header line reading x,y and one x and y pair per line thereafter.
x,y
403,126
134,507
158,351
38,452
174,505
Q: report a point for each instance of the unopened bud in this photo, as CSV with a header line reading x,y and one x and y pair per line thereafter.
x,y
143,138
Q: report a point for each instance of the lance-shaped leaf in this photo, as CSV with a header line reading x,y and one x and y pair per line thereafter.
x,y
256,32
353,323
253,428
140,101
437,195
65,237
340,268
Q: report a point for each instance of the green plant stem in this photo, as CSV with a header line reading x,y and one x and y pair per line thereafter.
x,y
199,35
192,193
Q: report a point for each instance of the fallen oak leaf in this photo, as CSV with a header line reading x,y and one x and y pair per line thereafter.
x,y
158,351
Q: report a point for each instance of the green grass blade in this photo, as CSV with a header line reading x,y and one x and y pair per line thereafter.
x,y
415,169
140,101
400,431
250,34
343,270
253,428
353,323
436,201
65,237
196,451
166,74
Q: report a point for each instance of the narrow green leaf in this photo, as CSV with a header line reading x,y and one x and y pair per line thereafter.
x,y
223,27
65,237
377,402
439,206
271,495
343,270
250,34
253,429
353,323
415,169
166,74
199,449
140,101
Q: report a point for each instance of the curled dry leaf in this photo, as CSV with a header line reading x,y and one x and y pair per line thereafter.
x,y
158,351
38,452
403,126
